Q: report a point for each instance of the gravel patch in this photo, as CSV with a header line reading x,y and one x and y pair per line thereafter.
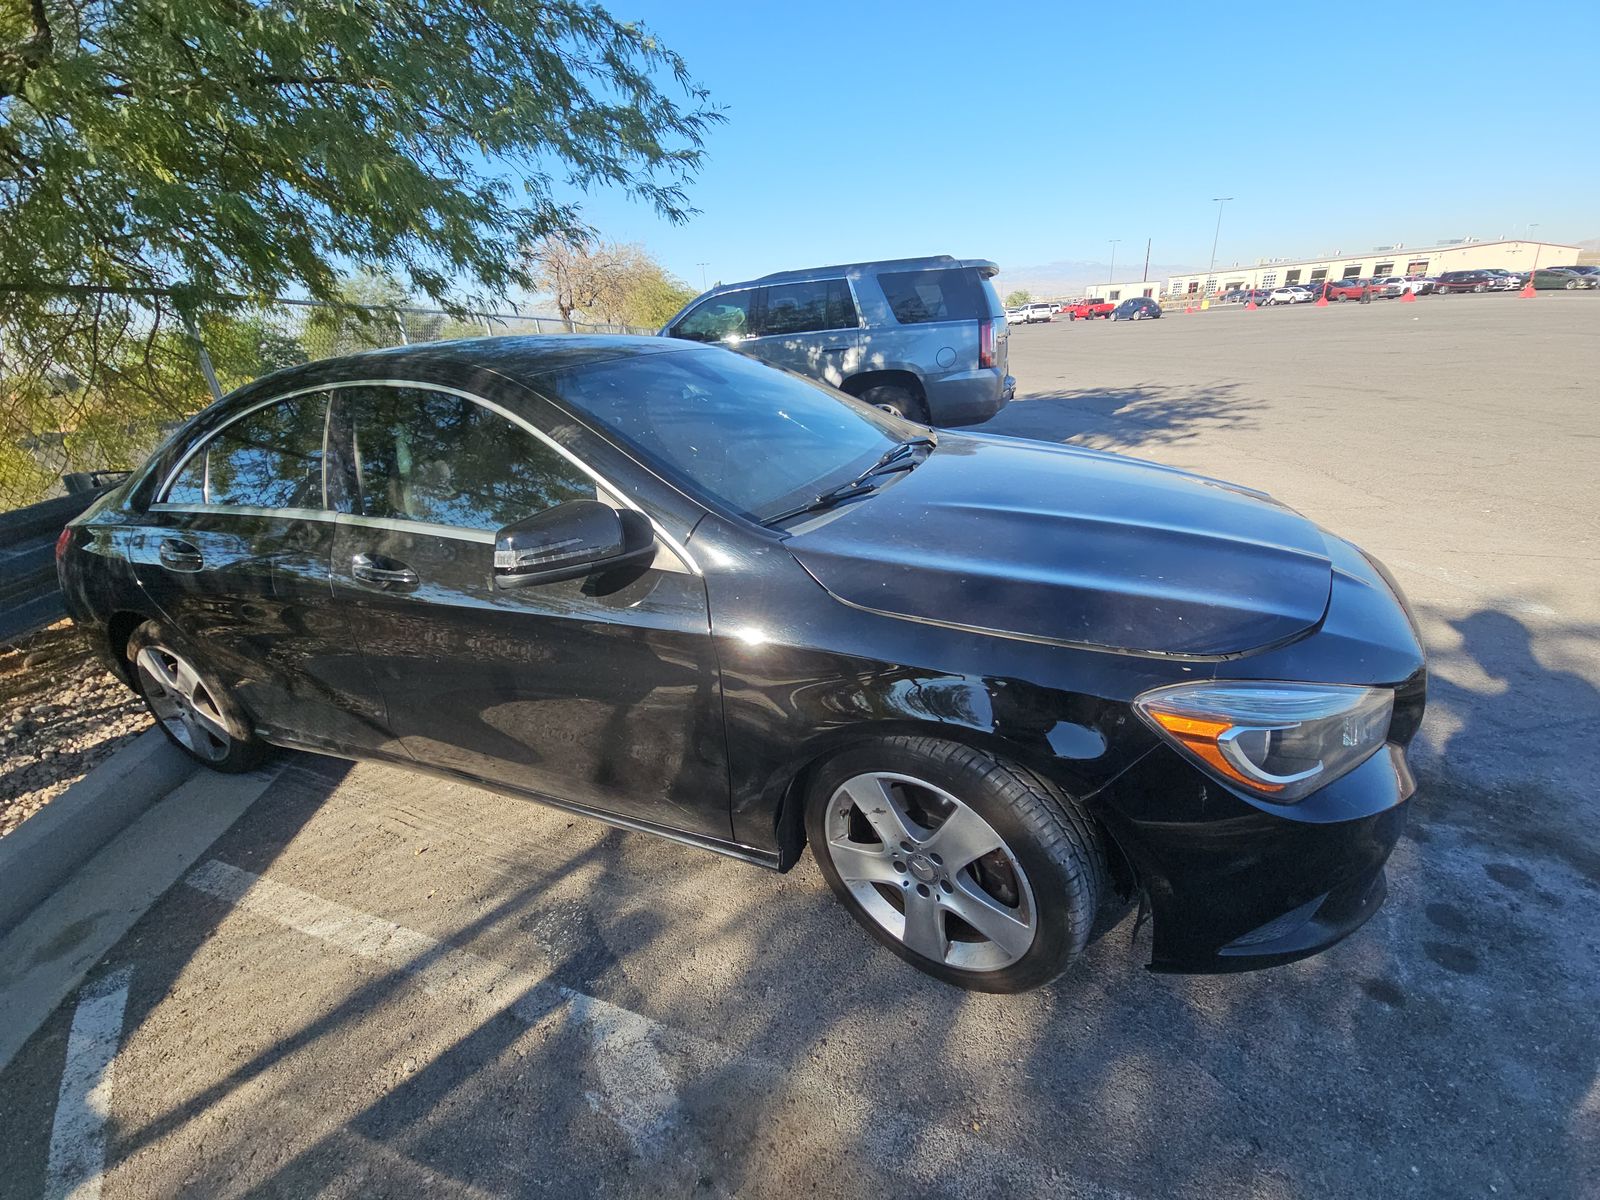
x,y
61,713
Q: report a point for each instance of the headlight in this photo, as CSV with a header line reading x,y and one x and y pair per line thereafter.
x,y
1281,741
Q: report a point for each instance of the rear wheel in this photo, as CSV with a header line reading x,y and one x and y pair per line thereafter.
x,y
899,400
192,708
970,868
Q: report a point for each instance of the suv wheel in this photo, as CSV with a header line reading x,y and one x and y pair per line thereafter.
x,y
901,401
972,869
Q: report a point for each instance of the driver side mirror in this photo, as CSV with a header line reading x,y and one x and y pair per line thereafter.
x,y
570,541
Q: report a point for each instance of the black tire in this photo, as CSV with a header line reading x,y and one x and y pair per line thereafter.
x,y
240,751
895,398
1571,285
1480,287
1052,839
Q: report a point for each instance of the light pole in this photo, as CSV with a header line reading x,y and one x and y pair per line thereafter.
x,y
1211,271
1528,290
1111,275
702,267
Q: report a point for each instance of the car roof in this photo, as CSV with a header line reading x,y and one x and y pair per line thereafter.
x,y
517,357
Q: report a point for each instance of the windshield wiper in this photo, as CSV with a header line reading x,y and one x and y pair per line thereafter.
x,y
897,458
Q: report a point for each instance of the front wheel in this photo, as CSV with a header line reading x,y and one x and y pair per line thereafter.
x,y
1482,287
899,400
193,708
970,868
1571,285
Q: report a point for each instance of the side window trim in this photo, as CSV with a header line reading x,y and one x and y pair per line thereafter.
x,y
603,484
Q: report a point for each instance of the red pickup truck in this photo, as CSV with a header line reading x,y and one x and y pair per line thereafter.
x,y
1088,310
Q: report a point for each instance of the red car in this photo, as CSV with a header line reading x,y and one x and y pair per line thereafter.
x,y
1088,310
1347,289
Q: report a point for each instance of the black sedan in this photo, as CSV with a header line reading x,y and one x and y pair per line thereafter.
x,y
1140,308
1003,688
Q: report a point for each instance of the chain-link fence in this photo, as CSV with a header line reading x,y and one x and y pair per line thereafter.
x,y
74,407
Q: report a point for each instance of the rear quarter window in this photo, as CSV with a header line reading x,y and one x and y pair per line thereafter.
x,y
920,297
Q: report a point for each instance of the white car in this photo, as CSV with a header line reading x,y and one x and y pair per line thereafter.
x,y
1399,285
1017,316
1039,310
1293,294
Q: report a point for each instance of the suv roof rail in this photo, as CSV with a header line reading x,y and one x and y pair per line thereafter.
x,y
982,265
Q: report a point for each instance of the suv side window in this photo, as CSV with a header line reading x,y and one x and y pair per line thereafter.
x,y
719,319
917,297
416,454
269,458
808,307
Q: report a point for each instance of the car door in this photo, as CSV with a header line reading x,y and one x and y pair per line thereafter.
x,y
601,692
235,556
811,327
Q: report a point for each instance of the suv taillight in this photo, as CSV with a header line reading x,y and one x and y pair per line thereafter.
x,y
63,542
986,344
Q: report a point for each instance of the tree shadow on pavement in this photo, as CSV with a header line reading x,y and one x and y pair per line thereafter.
x,y
1125,419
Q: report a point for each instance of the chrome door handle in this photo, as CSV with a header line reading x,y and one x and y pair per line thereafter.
x,y
179,555
384,572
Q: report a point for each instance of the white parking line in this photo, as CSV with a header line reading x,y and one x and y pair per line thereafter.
x,y
76,1166
636,1091
638,1094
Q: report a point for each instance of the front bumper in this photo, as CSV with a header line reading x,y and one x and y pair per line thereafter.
x,y
1236,885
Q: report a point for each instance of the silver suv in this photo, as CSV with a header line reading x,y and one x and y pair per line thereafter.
x,y
923,337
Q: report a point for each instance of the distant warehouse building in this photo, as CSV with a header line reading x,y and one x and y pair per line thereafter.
x,y
1115,292
1466,254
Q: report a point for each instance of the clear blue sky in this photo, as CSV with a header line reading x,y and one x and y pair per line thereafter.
x,y
1034,132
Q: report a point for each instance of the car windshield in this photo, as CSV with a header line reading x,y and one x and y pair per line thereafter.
x,y
751,437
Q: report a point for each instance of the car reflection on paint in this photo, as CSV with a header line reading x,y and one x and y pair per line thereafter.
x,y
1002,688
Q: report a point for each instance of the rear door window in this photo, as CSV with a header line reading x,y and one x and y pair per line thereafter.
x,y
269,458
808,307
919,297
724,318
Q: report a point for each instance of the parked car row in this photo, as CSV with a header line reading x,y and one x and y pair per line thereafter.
x,y
1084,310
1386,287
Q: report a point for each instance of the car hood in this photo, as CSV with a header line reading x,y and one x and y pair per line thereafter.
x,y
1075,546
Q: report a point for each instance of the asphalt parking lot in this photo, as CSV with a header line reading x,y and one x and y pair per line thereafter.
x,y
380,984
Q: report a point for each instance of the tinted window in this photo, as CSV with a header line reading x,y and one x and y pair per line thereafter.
x,y
271,458
916,297
422,455
718,319
752,437
808,307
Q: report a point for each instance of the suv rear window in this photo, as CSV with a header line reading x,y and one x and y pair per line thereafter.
x,y
917,297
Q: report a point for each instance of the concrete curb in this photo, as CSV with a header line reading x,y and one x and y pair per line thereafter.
x,y
50,846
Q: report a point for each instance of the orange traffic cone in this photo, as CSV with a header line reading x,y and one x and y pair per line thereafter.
x,y
1251,307
1322,300
1528,290
1408,297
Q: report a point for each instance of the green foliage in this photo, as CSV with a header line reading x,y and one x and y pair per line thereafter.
x,y
1018,298
157,155
654,298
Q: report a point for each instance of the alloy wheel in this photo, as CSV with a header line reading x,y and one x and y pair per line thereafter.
x,y
931,871
183,703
